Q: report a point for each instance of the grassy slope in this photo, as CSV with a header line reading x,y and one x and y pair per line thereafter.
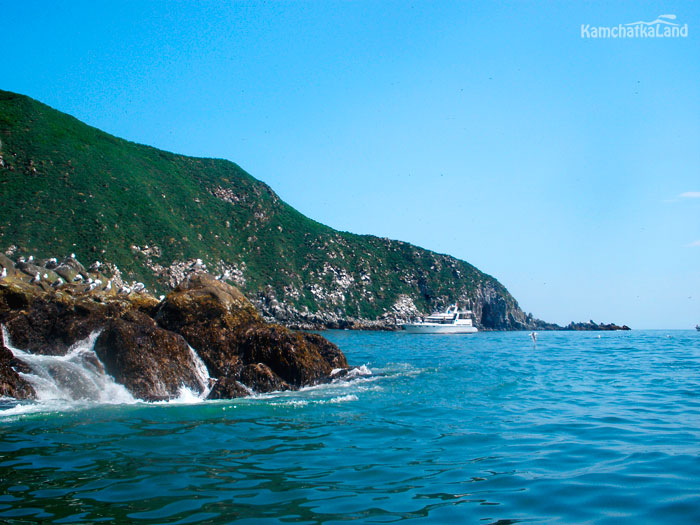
x,y
68,187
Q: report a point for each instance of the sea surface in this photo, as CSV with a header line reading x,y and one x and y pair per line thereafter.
x,y
595,427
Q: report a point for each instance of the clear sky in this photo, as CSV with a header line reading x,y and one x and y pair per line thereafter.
x,y
566,167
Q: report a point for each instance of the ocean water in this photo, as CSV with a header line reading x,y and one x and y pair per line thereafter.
x,y
485,428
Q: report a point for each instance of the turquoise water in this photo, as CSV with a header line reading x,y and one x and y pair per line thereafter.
x,y
486,428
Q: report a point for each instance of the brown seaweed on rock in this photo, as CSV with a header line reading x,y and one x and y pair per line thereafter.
x,y
234,341
143,342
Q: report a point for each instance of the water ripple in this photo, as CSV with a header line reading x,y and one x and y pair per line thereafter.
x,y
485,428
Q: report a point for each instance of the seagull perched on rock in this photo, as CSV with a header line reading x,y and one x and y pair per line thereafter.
x,y
72,256
31,258
36,279
4,273
139,287
109,286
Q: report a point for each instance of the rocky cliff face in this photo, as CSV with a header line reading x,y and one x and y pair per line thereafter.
x,y
152,346
494,308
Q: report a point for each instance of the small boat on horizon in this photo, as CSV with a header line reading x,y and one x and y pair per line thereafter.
x,y
697,327
451,321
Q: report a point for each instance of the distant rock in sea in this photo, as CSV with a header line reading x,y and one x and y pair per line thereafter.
x,y
593,326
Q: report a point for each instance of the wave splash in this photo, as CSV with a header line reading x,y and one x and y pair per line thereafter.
x,y
77,376
78,379
202,373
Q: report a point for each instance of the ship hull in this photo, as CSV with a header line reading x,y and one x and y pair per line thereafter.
x,y
438,329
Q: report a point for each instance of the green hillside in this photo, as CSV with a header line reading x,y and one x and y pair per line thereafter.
x,y
67,187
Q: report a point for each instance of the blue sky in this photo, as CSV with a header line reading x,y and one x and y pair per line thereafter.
x,y
568,168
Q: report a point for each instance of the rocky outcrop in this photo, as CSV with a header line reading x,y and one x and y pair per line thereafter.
x,y
593,326
230,336
152,363
152,347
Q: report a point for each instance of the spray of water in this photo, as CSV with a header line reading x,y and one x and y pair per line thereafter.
x,y
76,376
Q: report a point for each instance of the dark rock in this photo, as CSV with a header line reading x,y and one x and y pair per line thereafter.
x,y
11,383
228,388
330,352
260,378
228,333
143,342
209,314
47,323
152,363
286,353
593,326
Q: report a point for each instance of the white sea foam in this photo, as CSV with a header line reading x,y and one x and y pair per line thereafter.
x,y
305,402
342,399
290,403
186,396
77,376
360,371
78,380
201,372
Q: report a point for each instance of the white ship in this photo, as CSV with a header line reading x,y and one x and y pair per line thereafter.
x,y
451,321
